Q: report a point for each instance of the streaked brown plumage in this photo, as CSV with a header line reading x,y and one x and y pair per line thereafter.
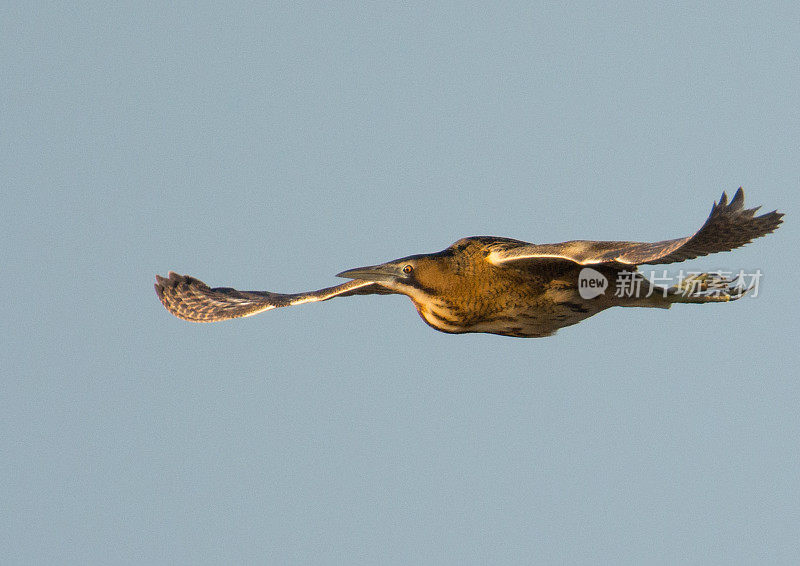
x,y
500,285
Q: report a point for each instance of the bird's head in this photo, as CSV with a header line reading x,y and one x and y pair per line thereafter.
x,y
426,275
410,275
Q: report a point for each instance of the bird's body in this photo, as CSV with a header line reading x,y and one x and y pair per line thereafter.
x,y
504,286
457,291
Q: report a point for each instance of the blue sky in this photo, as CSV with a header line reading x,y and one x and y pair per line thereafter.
x,y
270,146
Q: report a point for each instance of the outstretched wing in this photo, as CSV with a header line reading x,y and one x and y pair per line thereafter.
x,y
191,299
728,226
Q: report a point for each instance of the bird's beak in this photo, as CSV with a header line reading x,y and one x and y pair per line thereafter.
x,y
383,272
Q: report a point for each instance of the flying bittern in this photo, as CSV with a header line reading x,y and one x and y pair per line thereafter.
x,y
505,286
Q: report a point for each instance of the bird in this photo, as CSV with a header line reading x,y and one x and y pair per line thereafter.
x,y
510,287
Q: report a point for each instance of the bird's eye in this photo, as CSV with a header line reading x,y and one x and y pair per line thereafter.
x,y
408,269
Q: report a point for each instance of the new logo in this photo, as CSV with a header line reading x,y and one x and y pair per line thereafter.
x,y
591,283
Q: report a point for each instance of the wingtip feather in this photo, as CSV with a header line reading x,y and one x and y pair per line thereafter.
x,y
738,200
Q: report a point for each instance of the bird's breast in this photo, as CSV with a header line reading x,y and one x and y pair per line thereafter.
x,y
442,317
510,308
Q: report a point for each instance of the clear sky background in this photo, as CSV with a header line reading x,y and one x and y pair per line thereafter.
x,y
270,146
